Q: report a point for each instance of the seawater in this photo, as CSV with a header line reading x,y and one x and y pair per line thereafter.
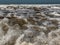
x,y
29,1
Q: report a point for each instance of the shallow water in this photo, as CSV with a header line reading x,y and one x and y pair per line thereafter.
x,y
29,25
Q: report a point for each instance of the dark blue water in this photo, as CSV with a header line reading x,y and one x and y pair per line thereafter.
x,y
29,1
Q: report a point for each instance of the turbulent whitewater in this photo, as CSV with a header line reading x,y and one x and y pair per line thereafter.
x,y
30,25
